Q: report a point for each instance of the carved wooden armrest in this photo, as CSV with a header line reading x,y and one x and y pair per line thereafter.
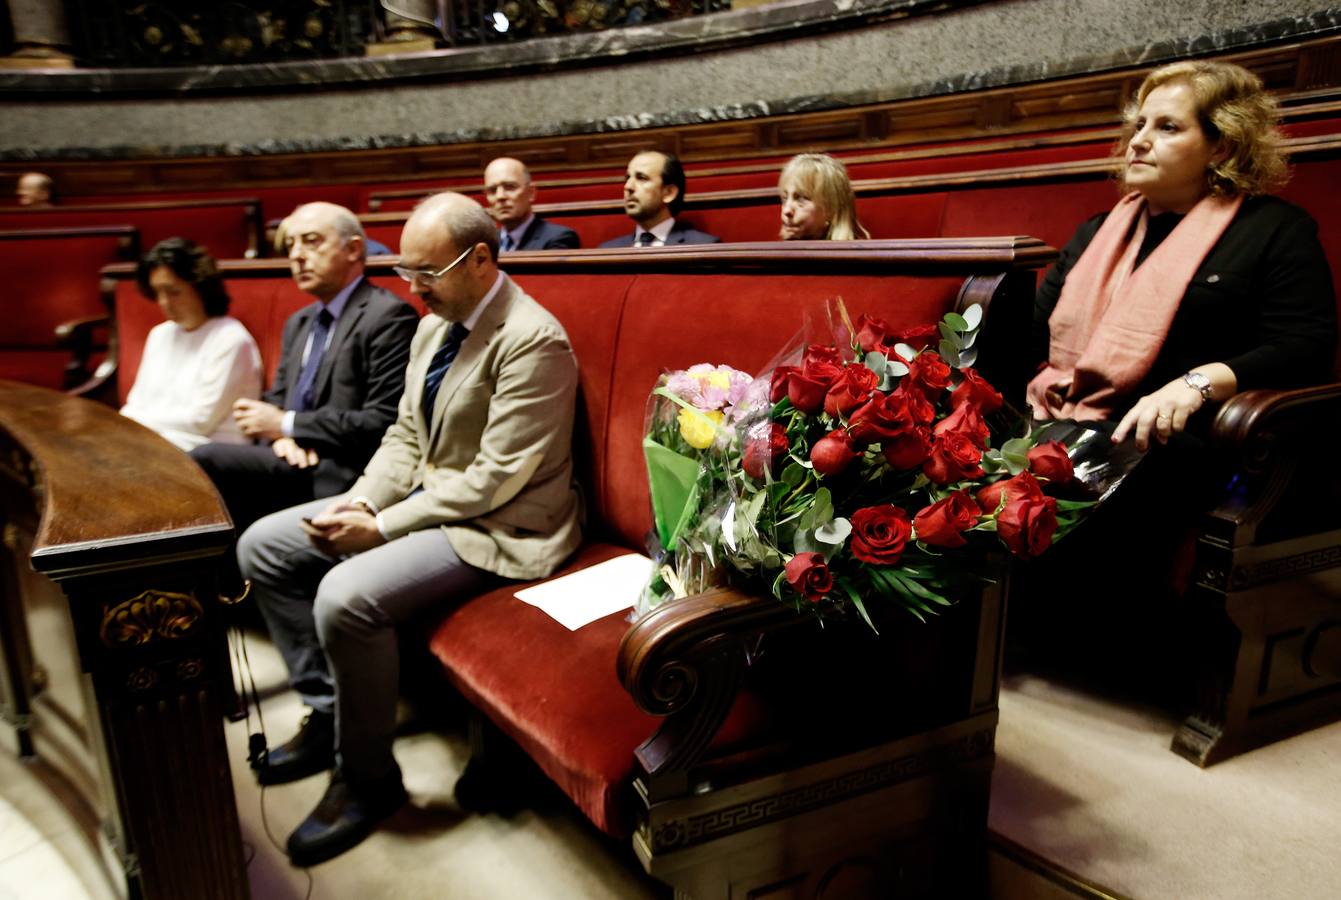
x,y
685,661
1250,424
76,330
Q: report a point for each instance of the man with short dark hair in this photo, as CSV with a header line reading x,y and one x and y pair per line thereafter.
x,y
510,193
34,189
341,370
653,197
471,485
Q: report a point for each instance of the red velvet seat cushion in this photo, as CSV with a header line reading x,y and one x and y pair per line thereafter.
x,y
552,690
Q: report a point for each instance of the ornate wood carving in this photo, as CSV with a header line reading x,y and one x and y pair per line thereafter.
x,y
151,616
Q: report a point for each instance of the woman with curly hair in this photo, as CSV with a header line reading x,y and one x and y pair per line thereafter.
x,y
1198,284
817,200
199,361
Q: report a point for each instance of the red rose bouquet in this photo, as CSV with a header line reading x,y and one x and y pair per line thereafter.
x,y
882,467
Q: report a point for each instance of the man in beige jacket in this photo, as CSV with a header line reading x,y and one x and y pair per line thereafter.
x,y
472,484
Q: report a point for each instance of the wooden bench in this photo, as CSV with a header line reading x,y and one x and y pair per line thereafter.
x,y
730,774
228,227
51,299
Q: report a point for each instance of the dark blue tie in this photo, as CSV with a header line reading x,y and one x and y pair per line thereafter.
x,y
440,363
506,242
303,397
646,238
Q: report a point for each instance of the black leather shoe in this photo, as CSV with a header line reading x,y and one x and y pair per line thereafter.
x,y
308,752
347,814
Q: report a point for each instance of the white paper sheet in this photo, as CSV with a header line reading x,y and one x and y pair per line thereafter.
x,y
592,593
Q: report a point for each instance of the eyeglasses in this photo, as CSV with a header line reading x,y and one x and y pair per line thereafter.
x,y
429,277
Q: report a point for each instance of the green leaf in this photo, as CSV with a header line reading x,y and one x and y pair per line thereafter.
x,y
973,316
876,362
949,334
956,321
950,353
835,532
920,591
905,351
794,474
856,602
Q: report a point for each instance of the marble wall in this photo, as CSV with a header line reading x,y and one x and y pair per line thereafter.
x,y
683,72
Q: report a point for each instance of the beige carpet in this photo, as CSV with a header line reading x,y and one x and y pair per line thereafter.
x,y
1092,785
430,849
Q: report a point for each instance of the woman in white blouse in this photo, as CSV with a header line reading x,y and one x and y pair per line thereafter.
x,y
198,362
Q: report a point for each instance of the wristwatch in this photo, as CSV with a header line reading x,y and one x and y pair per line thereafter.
x,y
1198,382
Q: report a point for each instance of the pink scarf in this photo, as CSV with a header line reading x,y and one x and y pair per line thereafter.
x,y
1110,321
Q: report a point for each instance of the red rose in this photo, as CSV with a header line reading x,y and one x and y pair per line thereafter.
x,y
909,449
942,523
1051,462
823,364
850,390
920,337
967,421
809,576
975,389
930,373
873,335
879,534
765,448
777,385
919,407
881,418
1027,524
806,394
954,457
1022,485
832,453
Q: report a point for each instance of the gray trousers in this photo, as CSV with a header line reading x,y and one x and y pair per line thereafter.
x,y
334,621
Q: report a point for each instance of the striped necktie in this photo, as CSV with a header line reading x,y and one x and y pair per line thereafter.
x,y
440,363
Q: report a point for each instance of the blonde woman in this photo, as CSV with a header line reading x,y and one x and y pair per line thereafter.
x,y
1197,285
817,200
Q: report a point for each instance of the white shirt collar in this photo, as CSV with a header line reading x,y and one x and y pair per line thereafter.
x,y
660,231
474,316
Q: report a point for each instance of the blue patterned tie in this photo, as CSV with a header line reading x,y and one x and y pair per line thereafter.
x,y
440,363
506,242
646,238
303,396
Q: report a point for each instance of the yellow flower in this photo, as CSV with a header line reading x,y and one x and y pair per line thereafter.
x,y
717,379
699,428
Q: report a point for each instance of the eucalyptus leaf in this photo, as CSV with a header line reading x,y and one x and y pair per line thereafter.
x,y
1018,446
905,351
956,321
896,368
805,542
793,475
835,532
973,316
950,353
876,362
949,334
968,356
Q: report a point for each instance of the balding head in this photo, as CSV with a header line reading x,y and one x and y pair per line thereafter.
x,y
508,191
325,245
34,189
450,230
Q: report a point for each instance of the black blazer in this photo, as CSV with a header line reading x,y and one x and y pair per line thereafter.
x,y
680,233
543,235
358,385
1261,302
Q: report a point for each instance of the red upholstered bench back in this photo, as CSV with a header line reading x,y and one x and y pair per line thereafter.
x,y
228,228
50,276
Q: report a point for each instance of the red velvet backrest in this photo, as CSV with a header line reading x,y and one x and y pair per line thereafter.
x,y
220,229
53,278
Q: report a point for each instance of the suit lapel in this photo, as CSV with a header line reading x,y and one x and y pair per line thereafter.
x,y
519,241
471,353
676,235
344,326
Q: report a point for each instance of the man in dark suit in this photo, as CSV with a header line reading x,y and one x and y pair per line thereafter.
x,y
653,197
340,375
510,194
